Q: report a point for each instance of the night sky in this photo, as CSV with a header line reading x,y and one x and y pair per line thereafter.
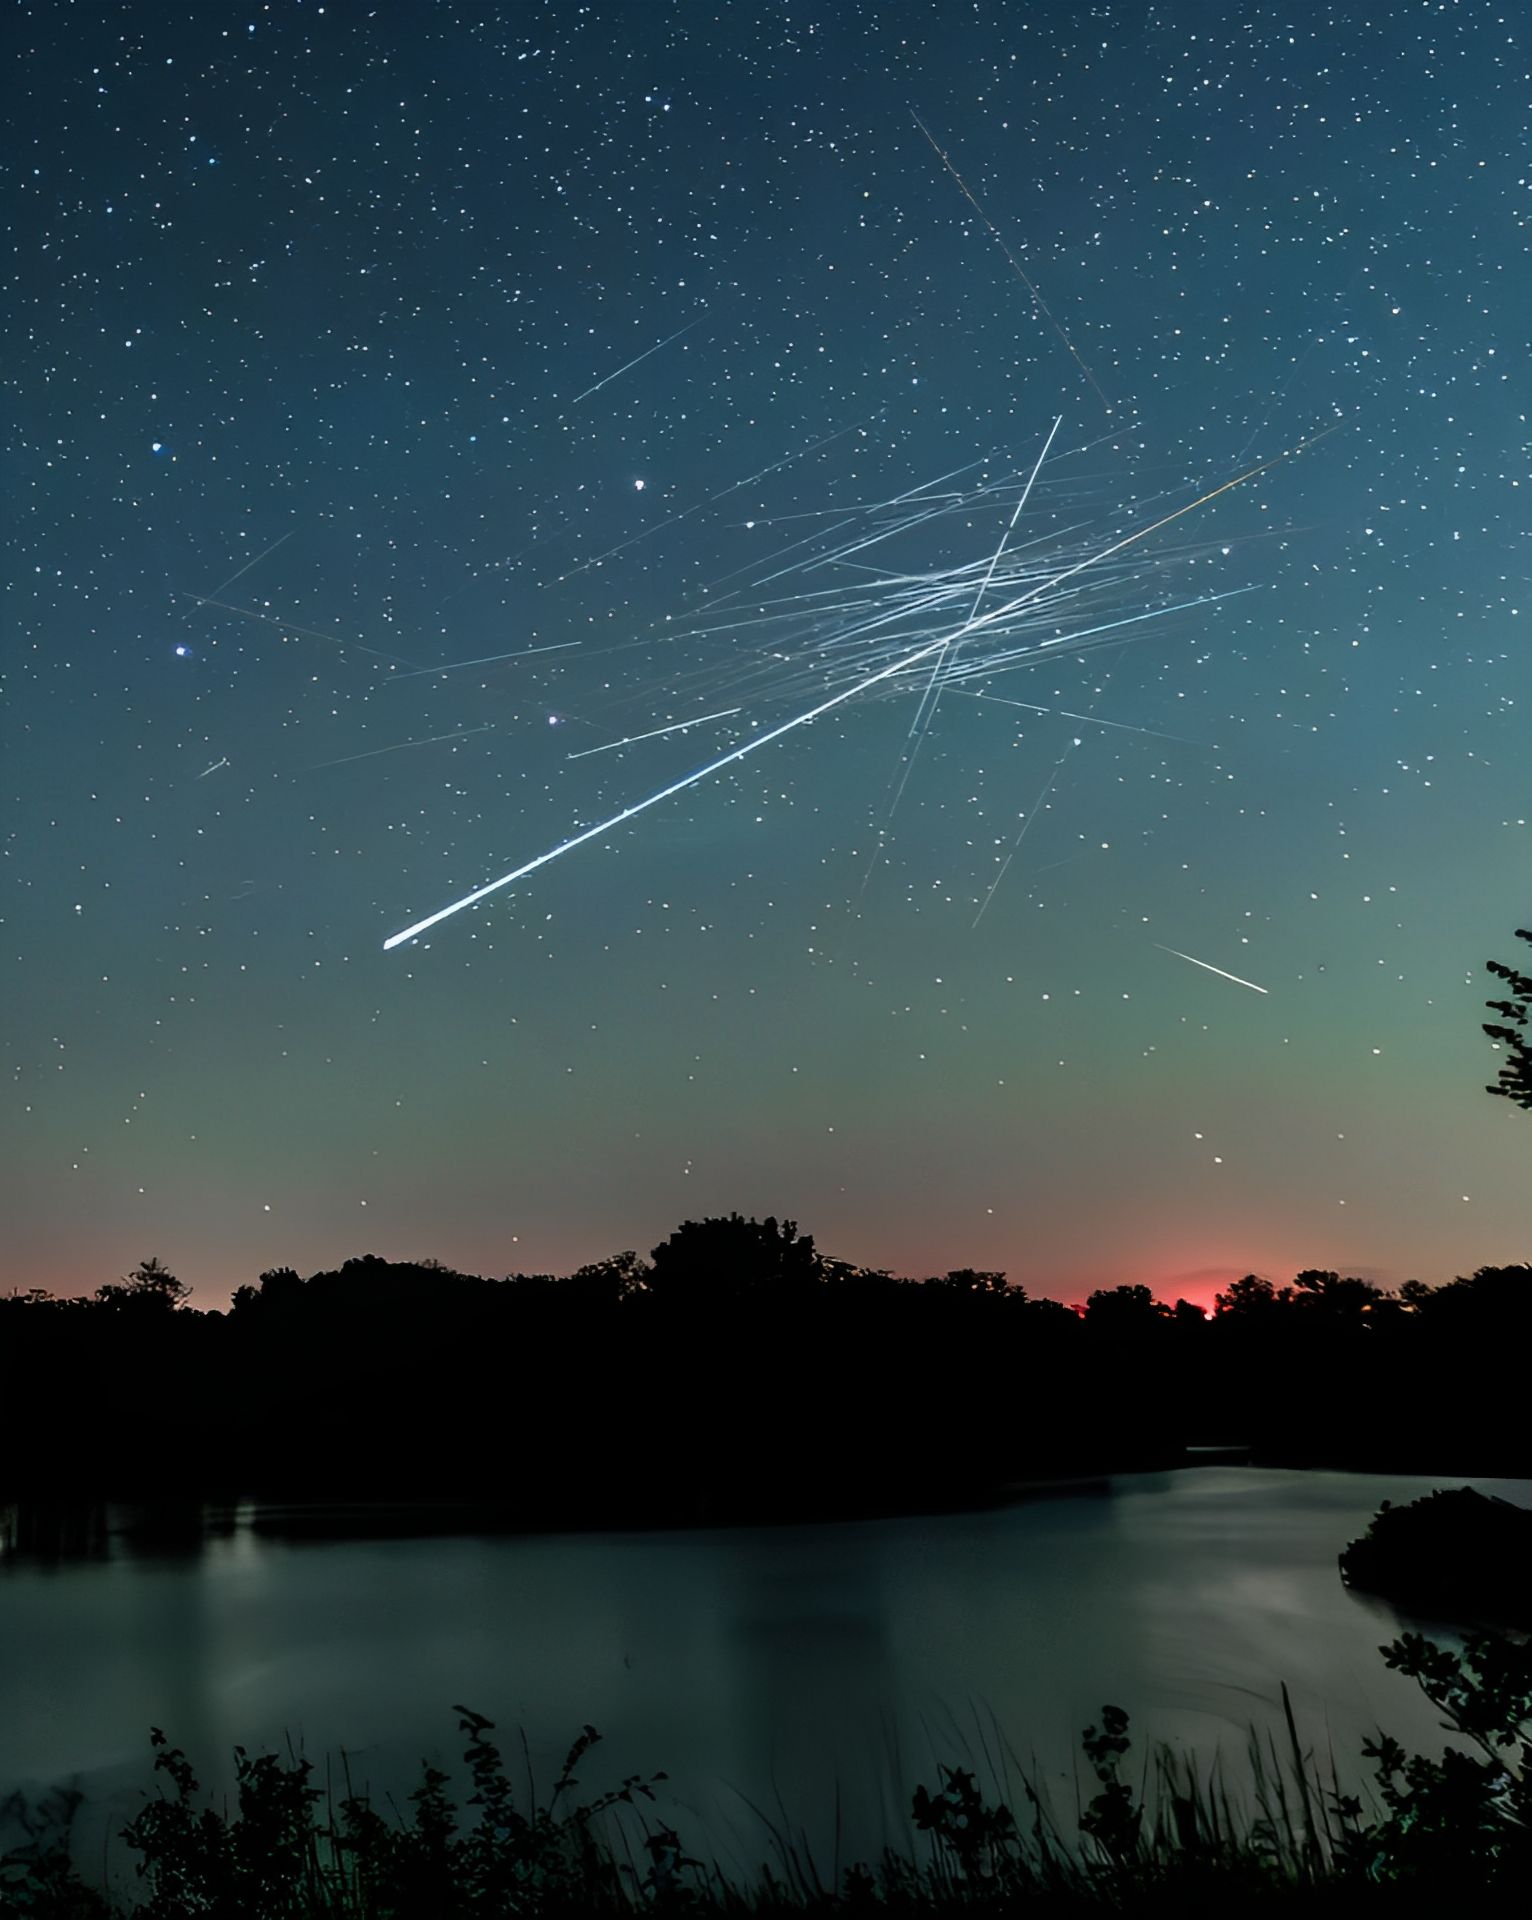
x,y
651,359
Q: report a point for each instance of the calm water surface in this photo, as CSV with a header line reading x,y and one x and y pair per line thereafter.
x,y
753,1664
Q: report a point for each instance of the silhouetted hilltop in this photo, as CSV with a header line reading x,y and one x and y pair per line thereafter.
x,y
738,1373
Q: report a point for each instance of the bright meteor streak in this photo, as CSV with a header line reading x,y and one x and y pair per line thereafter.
x,y
1060,593
632,739
676,786
1208,967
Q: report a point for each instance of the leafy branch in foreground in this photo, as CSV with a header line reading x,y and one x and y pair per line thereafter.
x,y
1515,1077
1466,1815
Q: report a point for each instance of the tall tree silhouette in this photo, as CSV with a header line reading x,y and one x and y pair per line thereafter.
x,y
1515,1080
150,1287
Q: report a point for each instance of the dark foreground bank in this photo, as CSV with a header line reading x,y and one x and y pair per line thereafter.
x,y
1275,1836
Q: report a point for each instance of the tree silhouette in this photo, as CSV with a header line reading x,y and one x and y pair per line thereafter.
x,y
1316,1290
1252,1298
744,1374
979,1280
622,1276
279,1286
151,1287
1515,1080
1125,1309
707,1260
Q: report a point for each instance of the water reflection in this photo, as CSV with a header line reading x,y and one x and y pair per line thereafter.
x,y
771,1668
52,1533
809,1638
47,1535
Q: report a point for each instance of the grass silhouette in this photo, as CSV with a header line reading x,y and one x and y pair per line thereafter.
x,y
1274,1835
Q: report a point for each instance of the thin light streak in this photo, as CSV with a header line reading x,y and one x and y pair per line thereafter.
x,y
224,585
1208,967
808,540
924,486
930,699
1018,269
398,747
734,486
292,626
633,739
983,586
829,513
1040,595
1036,809
629,365
485,660
1143,533
653,800
932,692
1029,706
853,514
1016,515
1002,662
875,539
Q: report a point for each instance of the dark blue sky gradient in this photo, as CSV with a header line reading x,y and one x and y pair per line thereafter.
x,y
318,377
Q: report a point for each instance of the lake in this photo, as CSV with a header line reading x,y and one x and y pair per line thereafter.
x,y
754,1665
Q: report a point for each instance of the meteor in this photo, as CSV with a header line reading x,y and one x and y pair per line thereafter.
x,y
398,747
638,361
1143,533
632,739
1016,267
484,660
653,800
1208,967
225,584
1064,713
1000,662
292,626
1036,809
1061,591
933,692
697,506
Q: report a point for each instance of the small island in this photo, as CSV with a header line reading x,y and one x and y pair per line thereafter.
x,y
1456,1555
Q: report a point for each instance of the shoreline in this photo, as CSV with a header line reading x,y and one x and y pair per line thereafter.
x,y
73,1525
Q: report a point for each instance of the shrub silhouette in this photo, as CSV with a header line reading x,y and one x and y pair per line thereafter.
x,y
1457,1828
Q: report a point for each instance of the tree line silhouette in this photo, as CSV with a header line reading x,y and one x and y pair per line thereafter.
x,y
738,1373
